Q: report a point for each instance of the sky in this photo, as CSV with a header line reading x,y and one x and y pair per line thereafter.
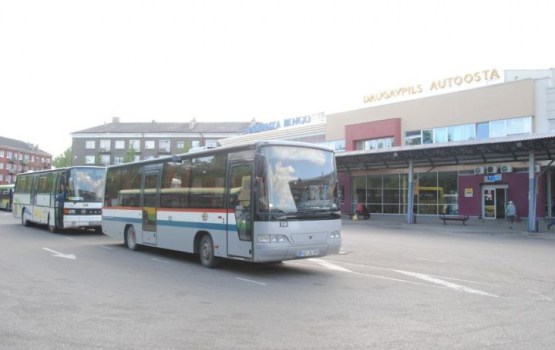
x,y
69,65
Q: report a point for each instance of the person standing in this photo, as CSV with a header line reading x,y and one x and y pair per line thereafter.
x,y
510,212
60,200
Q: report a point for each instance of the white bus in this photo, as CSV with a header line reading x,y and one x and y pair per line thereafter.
x,y
6,195
260,202
35,193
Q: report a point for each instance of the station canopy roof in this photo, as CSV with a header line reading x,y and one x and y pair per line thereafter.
x,y
494,150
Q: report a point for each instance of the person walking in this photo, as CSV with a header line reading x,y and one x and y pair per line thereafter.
x,y
510,212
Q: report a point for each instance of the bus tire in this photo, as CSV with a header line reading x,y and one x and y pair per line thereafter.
x,y
131,238
206,252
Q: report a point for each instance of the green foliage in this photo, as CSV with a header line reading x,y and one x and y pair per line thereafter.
x,y
63,160
186,147
129,156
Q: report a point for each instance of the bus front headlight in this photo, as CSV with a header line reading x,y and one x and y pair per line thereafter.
x,y
271,239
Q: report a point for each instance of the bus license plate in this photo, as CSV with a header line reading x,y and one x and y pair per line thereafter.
x,y
308,252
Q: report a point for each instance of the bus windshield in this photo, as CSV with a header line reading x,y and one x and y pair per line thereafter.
x,y
298,181
86,184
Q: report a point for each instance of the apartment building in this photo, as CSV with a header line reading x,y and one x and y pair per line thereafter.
x,y
18,157
118,142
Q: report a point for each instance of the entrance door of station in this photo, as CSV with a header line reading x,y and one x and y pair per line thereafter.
x,y
494,198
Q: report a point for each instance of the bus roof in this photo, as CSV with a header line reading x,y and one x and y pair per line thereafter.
x,y
251,145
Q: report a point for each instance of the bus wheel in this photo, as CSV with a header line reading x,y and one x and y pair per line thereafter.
x,y
206,252
131,239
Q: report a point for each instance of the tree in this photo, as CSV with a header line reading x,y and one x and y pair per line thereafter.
x,y
63,160
129,156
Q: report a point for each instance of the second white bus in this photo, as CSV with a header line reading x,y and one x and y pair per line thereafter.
x,y
35,193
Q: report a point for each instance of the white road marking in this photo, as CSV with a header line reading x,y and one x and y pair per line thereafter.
x,y
330,265
160,261
69,238
445,283
60,255
434,261
250,281
106,247
437,282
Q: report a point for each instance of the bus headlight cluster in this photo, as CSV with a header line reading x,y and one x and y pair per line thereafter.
x,y
335,234
272,239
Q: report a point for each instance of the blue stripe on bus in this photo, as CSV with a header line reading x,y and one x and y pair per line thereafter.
x,y
120,219
193,224
173,223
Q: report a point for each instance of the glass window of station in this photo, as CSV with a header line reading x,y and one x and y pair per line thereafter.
x,y
465,132
434,193
386,142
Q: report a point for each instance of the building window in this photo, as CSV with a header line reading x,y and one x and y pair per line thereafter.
x,y
90,159
465,132
105,145
211,143
335,145
105,159
428,136
195,143
482,131
435,193
164,145
135,145
2,153
119,144
90,144
386,142
413,138
180,145
462,132
118,160
517,126
149,144
513,126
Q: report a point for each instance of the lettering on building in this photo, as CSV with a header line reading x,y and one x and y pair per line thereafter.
x,y
435,85
285,123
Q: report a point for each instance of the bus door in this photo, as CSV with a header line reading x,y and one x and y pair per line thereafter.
x,y
239,211
150,184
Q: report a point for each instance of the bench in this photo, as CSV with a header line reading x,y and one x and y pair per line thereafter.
x,y
446,218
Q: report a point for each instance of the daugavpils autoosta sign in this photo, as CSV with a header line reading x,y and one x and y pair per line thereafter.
x,y
458,81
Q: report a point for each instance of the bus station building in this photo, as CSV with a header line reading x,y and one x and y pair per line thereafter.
x,y
460,146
